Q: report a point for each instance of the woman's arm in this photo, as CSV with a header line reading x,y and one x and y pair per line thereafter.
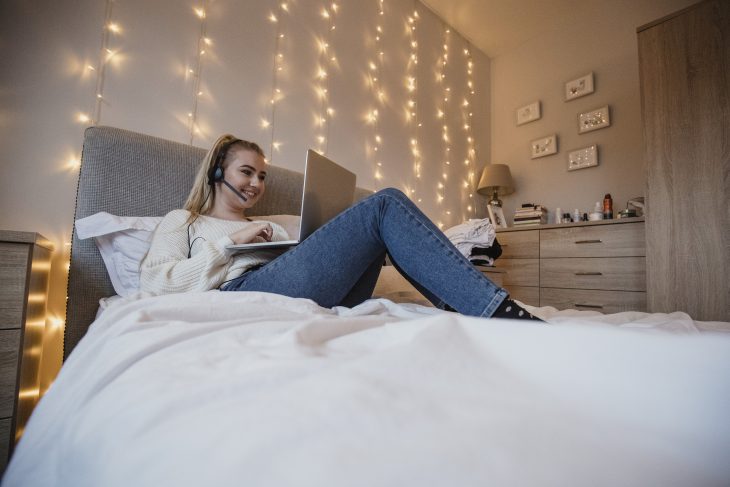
x,y
167,267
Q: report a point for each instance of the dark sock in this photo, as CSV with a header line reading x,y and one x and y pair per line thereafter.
x,y
510,309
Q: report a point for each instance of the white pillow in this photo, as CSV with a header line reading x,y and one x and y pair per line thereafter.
x,y
123,242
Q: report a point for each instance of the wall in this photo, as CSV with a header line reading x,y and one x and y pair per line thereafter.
x,y
602,40
50,72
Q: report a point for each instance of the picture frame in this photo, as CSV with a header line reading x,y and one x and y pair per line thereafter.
x,y
544,146
528,113
583,158
595,119
579,87
496,216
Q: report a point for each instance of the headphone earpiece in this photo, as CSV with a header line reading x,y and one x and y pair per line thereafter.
x,y
215,175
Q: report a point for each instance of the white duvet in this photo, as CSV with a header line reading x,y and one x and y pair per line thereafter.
x,y
254,389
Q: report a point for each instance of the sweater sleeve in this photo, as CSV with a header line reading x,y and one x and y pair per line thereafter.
x,y
167,267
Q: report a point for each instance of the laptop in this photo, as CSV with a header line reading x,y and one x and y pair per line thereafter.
x,y
328,190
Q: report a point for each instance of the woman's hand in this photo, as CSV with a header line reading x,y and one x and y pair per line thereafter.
x,y
255,232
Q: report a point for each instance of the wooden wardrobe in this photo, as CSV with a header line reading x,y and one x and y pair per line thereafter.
x,y
684,65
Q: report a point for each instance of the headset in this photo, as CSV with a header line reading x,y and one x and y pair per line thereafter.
x,y
215,173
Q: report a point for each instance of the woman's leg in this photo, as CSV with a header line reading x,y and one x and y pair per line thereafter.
x,y
330,263
364,287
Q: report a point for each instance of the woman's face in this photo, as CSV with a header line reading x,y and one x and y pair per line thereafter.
x,y
246,171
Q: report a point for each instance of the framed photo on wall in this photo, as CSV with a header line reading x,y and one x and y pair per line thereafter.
x,y
496,216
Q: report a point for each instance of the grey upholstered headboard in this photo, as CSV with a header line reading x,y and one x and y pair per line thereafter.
x,y
130,174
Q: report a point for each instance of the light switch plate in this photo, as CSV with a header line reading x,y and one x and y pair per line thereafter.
x,y
583,158
579,87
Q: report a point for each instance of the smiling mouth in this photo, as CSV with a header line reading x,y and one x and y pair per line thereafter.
x,y
250,194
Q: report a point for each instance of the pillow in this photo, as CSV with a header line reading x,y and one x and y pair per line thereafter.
x,y
123,242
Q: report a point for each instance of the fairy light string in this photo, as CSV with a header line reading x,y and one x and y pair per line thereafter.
x,y
375,65
411,108
326,59
105,55
442,116
204,43
277,66
467,117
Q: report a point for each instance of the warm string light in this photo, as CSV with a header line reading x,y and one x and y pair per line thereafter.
x,y
467,116
106,53
278,66
442,117
204,43
327,59
411,108
374,69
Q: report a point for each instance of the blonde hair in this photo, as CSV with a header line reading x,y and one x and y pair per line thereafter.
x,y
202,195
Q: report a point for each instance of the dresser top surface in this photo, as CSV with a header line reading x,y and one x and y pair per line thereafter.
x,y
569,225
13,236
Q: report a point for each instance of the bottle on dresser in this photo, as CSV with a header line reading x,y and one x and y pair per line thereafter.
x,y
607,207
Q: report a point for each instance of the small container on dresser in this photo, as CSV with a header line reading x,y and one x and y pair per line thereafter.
x,y
25,261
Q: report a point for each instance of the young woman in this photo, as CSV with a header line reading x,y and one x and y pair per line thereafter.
x,y
338,264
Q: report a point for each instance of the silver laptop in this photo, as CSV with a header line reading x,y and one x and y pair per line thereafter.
x,y
328,190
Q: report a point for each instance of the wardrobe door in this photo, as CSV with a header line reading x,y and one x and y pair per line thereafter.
x,y
685,88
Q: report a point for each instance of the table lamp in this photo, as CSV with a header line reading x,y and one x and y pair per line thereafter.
x,y
496,181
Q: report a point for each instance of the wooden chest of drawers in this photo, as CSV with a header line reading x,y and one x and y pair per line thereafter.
x,y
25,261
590,265
519,266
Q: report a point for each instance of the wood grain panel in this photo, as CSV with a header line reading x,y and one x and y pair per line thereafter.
x,y
5,443
13,269
493,275
619,273
519,272
527,294
9,349
619,240
520,245
592,300
685,92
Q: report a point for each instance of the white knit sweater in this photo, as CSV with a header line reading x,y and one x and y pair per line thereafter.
x,y
167,268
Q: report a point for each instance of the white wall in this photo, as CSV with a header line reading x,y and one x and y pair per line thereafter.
x,y
45,83
602,40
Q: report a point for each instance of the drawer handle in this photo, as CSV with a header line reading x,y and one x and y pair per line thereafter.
x,y
586,241
596,306
589,273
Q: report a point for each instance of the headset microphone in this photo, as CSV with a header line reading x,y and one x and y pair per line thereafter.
x,y
238,193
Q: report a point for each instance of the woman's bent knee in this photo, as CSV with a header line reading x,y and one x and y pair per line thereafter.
x,y
394,192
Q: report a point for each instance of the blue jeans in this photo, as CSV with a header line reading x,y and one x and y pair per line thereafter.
x,y
339,264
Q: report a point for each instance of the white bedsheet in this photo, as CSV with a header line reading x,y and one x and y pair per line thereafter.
x,y
222,389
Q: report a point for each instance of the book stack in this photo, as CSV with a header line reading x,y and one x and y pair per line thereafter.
x,y
529,215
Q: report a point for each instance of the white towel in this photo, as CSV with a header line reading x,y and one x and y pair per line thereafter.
x,y
472,233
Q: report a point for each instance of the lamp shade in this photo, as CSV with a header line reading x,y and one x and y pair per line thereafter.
x,y
495,177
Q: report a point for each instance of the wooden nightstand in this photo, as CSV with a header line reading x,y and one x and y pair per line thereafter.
x,y
25,263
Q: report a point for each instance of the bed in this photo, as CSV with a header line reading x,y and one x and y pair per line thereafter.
x,y
257,389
